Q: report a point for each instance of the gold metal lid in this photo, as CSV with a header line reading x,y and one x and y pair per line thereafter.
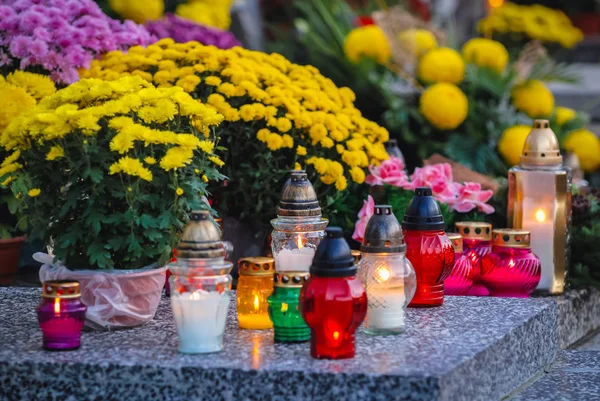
x,y
62,289
457,241
298,197
512,238
290,279
256,266
201,238
541,146
475,230
357,255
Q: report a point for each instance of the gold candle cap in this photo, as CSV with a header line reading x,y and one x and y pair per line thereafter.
x,y
298,197
512,238
201,238
541,146
63,289
457,241
290,279
256,266
475,230
357,255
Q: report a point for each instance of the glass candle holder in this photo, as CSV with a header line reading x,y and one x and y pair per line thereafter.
x,y
511,269
459,282
428,248
477,242
254,287
61,315
386,273
333,301
298,228
539,201
200,287
288,324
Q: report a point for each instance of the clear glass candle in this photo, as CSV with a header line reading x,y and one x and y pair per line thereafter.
x,y
460,281
386,273
61,315
254,287
511,269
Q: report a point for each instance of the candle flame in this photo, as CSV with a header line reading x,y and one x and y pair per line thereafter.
x,y
511,263
383,275
256,303
195,296
299,242
336,335
284,307
540,215
57,306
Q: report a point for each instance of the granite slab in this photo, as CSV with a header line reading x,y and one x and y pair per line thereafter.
x,y
578,315
468,349
574,376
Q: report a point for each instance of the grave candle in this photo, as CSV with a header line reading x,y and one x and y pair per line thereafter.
x,y
255,285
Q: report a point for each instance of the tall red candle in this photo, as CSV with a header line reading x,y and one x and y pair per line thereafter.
x,y
333,302
428,248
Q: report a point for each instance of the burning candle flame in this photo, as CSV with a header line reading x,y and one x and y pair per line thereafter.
x,y
256,303
195,296
336,335
57,306
511,263
299,242
383,275
540,215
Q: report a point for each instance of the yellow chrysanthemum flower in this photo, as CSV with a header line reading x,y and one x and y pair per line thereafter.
x,y
417,41
139,11
510,145
297,166
563,115
216,161
37,85
341,183
56,152
130,166
586,145
32,193
486,53
13,101
301,150
444,105
368,42
207,12
179,191
274,141
533,98
441,65
150,160
357,174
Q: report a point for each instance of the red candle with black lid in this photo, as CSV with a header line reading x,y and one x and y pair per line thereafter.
x,y
333,302
427,247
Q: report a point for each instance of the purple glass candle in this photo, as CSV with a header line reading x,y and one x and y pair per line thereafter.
x,y
511,269
460,281
477,242
61,315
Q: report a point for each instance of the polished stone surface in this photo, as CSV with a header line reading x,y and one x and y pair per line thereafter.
x,y
574,376
471,348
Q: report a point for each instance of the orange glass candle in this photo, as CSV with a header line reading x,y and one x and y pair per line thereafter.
x,y
255,285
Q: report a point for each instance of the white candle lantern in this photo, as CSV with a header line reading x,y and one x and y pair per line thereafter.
x,y
299,226
200,286
539,201
386,273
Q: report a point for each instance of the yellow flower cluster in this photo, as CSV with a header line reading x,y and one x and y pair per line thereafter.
x,y
486,53
367,42
131,110
441,65
444,105
417,41
510,145
139,11
19,92
536,22
288,107
586,145
563,115
215,13
533,98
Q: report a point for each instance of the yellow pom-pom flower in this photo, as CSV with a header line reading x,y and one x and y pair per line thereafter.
x,y
179,191
139,11
486,53
441,65
13,101
32,193
444,105
417,41
586,145
367,42
533,98
510,145
207,12
563,115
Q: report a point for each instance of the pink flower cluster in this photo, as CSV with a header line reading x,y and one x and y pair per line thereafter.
x,y
61,36
461,198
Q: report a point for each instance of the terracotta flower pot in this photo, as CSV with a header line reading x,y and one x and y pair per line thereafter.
x,y
115,299
10,254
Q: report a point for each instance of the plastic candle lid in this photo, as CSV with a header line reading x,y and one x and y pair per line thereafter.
x,y
423,212
383,232
333,257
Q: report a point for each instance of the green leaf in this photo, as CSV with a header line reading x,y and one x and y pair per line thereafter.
x,y
147,221
99,256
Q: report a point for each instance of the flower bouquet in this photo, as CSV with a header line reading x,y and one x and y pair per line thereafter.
x,y
107,173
